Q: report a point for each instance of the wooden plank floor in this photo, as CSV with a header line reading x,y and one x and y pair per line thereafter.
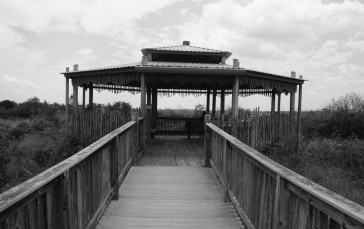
x,y
173,151
170,197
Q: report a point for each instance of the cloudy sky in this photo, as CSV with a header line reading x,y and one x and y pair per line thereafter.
x,y
321,40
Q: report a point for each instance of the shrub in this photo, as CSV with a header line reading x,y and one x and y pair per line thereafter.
x,y
7,104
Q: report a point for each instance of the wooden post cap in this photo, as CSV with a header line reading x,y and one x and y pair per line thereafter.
x,y
186,43
207,118
293,74
134,116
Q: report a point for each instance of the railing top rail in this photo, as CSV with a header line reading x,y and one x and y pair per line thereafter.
x,y
22,190
346,206
179,118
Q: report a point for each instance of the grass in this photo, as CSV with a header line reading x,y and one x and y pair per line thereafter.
x,y
336,164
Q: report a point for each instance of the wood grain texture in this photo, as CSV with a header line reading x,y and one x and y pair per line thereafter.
x,y
274,196
173,151
170,197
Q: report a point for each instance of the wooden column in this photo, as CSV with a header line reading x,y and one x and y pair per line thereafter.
x,y
84,97
75,96
279,116
222,102
235,98
154,108
142,95
279,103
67,98
292,104
208,101
299,115
273,103
91,96
207,141
214,103
291,108
149,94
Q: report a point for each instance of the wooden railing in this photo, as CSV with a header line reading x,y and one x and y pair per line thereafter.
x,y
260,131
268,195
179,125
90,125
75,192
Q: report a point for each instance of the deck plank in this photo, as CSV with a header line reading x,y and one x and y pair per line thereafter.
x,y
170,197
173,151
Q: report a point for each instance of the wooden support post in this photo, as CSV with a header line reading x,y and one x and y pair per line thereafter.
x,y
208,101
292,104
114,173
214,93
276,203
207,141
154,111
279,116
147,125
142,95
272,118
80,197
299,115
279,103
149,94
273,104
83,97
225,171
91,96
75,96
222,102
135,118
65,199
67,99
235,99
291,109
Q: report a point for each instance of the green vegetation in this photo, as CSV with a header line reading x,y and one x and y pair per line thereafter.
x,y
33,138
332,150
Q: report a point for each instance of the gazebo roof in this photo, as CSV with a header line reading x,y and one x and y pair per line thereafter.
x,y
183,67
186,48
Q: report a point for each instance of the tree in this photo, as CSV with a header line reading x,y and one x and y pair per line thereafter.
x,y
199,109
346,117
350,102
7,104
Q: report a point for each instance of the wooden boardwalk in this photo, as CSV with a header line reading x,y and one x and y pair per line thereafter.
x,y
170,197
173,151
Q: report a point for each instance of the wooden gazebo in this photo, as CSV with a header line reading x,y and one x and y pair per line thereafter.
x,y
185,69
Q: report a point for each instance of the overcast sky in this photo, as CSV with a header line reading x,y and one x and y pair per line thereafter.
x,y
321,40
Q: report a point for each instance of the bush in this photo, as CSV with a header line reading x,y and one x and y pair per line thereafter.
x,y
7,104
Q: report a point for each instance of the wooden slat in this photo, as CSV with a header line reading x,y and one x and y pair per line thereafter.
x,y
328,197
170,197
173,151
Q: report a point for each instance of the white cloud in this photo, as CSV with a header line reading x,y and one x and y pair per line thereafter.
x,y
96,16
18,82
84,52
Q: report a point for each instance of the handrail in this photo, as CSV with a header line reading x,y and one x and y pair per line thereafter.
x,y
335,207
179,118
97,169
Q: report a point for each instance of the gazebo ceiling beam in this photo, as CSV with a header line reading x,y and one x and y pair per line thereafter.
x,y
187,91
